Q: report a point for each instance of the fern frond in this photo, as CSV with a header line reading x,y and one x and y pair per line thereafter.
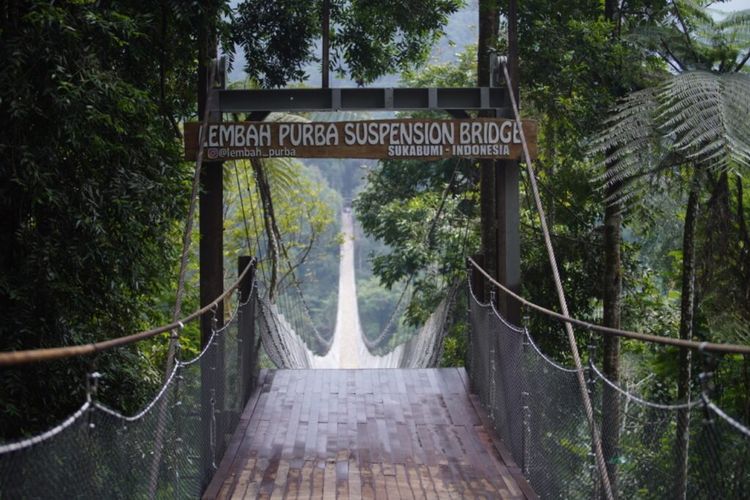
x,y
696,117
629,142
694,12
708,114
737,26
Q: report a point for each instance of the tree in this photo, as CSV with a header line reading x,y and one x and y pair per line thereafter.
x,y
93,189
425,212
691,124
369,39
303,225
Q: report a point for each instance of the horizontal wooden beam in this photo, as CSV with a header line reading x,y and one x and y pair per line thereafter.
x,y
361,99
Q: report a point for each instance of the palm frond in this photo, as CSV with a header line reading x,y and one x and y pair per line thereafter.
x,y
286,117
283,173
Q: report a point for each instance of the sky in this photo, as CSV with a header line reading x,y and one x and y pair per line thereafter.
x,y
732,5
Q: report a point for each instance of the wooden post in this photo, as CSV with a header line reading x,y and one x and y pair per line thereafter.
x,y
508,237
507,207
487,40
477,280
246,331
211,264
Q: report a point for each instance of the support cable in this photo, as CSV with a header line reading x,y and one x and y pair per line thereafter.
x,y
10,358
242,206
645,337
187,235
306,312
174,339
255,224
372,345
585,397
294,321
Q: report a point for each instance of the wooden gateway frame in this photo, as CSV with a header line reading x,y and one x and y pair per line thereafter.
x,y
493,137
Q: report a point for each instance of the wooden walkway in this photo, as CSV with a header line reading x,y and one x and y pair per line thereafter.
x,y
383,434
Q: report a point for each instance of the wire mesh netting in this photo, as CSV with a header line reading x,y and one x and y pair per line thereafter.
x,y
536,408
283,343
168,450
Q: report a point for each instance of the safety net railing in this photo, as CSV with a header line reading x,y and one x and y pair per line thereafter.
x,y
534,404
169,449
282,340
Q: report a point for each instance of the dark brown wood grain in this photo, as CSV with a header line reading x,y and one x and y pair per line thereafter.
x,y
372,434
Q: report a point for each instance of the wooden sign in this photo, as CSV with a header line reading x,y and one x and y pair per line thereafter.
x,y
416,139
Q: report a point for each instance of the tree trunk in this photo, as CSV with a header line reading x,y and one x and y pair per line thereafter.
x,y
687,312
744,236
612,307
611,344
269,223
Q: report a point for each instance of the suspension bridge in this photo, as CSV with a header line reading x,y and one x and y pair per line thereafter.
x,y
347,422
365,426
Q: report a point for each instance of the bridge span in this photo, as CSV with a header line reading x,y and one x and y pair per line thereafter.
x,y
395,434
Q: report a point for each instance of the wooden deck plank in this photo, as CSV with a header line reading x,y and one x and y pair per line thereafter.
x,y
366,434
355,483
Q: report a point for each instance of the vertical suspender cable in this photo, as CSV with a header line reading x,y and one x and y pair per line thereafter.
x,y
161,423
242,206
258,233
585,397
187,235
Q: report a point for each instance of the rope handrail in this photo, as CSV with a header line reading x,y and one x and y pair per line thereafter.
x,y
51,353
646,337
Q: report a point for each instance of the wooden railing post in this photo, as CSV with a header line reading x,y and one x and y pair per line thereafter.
x,y
211,250
248,358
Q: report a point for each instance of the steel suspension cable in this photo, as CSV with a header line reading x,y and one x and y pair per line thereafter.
x,y
242,206
374,344
585,397
255,223
326,343
174,338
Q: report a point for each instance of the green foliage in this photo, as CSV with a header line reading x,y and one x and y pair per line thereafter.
x,y
455,346
277,38
572,67
305,209
689,129
694,120
690,36
423,213
92,192
376,305
455,74
367,40
416,209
